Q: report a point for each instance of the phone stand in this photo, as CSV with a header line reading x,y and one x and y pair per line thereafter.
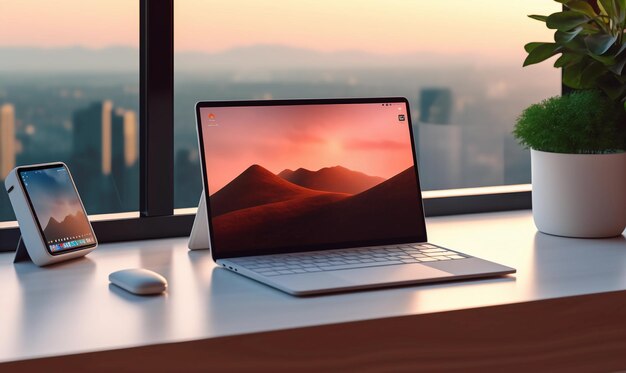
x,y
21,254
199,237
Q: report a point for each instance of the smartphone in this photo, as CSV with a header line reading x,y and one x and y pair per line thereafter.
x,y
47,205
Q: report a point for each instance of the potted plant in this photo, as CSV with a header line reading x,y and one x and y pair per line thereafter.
x,y
577,141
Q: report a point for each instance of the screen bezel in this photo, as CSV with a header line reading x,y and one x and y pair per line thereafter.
x,y
215,252
34,213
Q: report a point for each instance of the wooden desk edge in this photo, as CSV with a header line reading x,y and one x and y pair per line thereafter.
x,y
581,333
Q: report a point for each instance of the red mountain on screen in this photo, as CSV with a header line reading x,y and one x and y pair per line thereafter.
x,y
72,225
389,209
253,187
332,179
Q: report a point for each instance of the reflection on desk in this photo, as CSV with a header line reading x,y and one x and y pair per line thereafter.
x,y
70,308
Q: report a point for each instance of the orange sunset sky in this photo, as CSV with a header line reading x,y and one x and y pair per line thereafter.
x,y
362,137
492,28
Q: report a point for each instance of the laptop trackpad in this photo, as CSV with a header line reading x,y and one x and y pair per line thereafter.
x,y
360,277
397,273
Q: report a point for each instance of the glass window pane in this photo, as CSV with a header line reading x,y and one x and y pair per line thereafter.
x,y
458,62
69,91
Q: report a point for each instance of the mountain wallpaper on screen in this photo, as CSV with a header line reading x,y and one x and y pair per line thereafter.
x,y
303,207
332,179
71,225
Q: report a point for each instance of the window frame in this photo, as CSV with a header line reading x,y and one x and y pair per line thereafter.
x,y
157,216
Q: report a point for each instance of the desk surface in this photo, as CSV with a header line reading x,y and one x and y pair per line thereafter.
x,y
71,308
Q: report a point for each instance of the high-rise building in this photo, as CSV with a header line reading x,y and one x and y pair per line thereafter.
x,y
7,139
92,136
125,137
125,150
435,105
92,157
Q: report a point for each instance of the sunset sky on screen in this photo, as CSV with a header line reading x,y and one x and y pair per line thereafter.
x,y
367,138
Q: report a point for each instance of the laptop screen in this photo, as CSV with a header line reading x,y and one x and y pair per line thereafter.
x,y
292,176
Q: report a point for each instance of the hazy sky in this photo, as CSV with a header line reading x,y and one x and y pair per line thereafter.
x,y
41,185
494,28
368,139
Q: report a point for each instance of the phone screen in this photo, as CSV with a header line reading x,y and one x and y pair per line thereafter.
x,y
57,208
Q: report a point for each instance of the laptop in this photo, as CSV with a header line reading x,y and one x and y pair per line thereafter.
x,y
320,196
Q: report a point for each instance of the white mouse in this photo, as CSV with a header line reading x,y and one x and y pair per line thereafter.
x,y
139,281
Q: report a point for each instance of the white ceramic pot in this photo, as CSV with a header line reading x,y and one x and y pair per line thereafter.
x,y
579,195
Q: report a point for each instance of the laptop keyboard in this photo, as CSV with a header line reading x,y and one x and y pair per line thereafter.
x,y
333,260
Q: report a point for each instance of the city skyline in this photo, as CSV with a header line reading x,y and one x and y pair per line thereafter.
x,y
101,133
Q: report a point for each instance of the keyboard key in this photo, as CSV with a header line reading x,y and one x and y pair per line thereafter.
x,y
269,273
447,253
431,259
313,269
456,257
434,254
360,265
336,262
285,272
385,259
410,261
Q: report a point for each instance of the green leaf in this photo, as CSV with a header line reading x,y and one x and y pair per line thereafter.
x,y
571,74
530,46
614,89
599,44
566,20
618,66
589,29
541,53
621,10
605,60
538,17
577,45
581,7
563,37
604,6
567,59
621,49
621,5
590,75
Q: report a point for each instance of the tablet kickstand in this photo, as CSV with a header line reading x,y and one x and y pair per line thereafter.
x,y
199,237
21,254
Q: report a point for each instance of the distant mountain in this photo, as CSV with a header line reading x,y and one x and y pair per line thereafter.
x,y
72,225
390,209
253,187
69,59
332,179
280,57
266,57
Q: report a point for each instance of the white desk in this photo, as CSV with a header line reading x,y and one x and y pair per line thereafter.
x,y
71,307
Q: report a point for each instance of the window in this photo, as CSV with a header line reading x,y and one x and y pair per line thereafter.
x,y
92,84
69,91
458,62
